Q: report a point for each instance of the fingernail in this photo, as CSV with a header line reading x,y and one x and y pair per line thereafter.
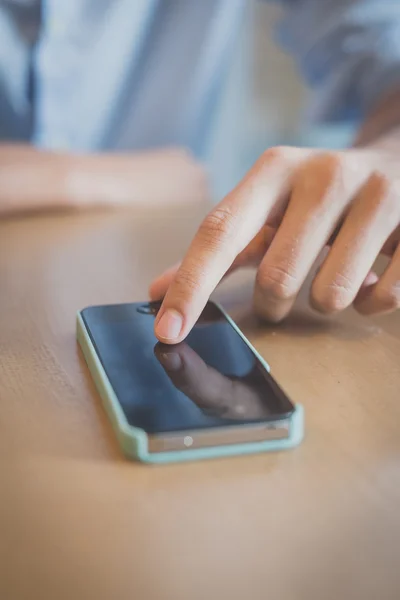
x,y
169,326
171,361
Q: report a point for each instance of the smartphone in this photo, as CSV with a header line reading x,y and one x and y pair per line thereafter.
x,y
210,395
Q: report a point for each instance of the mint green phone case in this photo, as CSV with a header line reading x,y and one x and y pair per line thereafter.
x,y
133,440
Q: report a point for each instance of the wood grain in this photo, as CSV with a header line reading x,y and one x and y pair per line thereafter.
x,y
78,521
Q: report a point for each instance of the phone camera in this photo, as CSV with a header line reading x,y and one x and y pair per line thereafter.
x,y
149,308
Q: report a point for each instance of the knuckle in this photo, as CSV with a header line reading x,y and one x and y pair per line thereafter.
x,y
384,194
380,184
274,154
327,165
277,283
218,224
186,283
331,298
319,177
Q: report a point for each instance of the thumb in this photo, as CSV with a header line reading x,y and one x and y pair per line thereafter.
x,y
159,286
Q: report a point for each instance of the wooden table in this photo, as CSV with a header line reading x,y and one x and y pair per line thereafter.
x,y
77,521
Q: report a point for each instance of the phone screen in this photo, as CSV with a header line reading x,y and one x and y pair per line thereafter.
x,y
212,379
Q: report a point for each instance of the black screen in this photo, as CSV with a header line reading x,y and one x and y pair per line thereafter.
x,y
212,379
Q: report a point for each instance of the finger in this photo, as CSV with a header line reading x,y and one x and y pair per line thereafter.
x,y
160,285
392,243
223,235
384,296
370,279
369,223
213,392
254,252
319,199
250,257
192,376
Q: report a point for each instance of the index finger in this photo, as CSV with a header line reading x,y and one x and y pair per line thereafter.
x,y
224,233
191,375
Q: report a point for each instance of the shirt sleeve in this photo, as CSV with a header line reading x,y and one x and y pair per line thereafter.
x,y
347,50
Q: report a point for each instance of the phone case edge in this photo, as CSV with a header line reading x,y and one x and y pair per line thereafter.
x,y
133,440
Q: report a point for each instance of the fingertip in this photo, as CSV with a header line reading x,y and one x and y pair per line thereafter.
x,y
168,326
371,279
171,361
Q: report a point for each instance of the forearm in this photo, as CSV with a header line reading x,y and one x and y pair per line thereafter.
x,y
33,180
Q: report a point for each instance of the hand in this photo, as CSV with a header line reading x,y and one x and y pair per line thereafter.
x,y
216,394
291,205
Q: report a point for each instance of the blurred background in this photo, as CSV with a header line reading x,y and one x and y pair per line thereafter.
x,y
86,78
266,90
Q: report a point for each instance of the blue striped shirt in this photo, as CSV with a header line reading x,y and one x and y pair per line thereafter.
x,y
134,74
